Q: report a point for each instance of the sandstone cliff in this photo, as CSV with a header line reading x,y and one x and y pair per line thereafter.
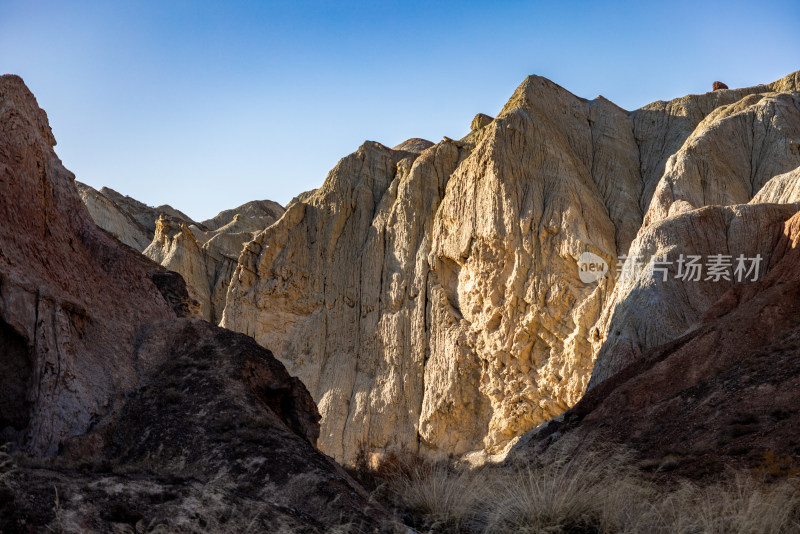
x,y
743,145
431,298
721,395
127,219
145,418
663,298
205,253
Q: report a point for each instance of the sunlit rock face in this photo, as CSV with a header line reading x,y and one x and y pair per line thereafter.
x,y
430,297
731,148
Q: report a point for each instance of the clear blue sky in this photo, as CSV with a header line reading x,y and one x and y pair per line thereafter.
x,y
206,105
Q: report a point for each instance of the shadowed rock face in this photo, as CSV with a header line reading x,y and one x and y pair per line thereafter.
x,y
431,297
140,413
743,145
68,293
723,394
655,307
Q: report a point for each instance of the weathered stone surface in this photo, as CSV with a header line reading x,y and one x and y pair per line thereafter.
x,y
652,305
142,213
175,422
258,214
731,154
415,144
727,385
69,295
782,189
730,158
208,258
205,254
716,86
480,120
433,300
111,217
661,128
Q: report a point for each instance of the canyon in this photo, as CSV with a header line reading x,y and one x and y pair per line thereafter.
x,y
429,298
428,295
117,399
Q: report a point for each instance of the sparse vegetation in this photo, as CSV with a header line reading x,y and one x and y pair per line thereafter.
x,y
593,492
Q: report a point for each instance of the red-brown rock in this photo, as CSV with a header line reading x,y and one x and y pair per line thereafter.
x,y
174,423
719,85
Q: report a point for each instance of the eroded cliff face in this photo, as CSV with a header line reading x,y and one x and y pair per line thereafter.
x,y
664,297
127,219
69,297
432,300
176,424
429,295
718,396
204,253
744,147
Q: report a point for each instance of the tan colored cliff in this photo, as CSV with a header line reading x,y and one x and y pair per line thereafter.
x,y
716,397
111,217
782,189
127,219
659,300
745,147
205,253
433,300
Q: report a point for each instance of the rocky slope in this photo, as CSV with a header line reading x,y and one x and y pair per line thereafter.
x,y
204,253
662,298
723,394
744,145
127,219
430,297
123,412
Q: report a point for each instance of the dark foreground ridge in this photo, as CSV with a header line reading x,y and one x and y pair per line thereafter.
x,y
119,408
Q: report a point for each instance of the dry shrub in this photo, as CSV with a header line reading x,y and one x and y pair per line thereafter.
x,y
590,492
740,504
450,499
600,491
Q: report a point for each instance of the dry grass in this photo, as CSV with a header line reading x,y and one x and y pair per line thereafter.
x,y
598,492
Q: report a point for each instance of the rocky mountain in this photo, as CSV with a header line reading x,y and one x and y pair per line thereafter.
x,y
204,253
122,410
747,138
430,298
127,219
429,295
722,394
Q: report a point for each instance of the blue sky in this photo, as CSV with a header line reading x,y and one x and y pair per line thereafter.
x,y
206,105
